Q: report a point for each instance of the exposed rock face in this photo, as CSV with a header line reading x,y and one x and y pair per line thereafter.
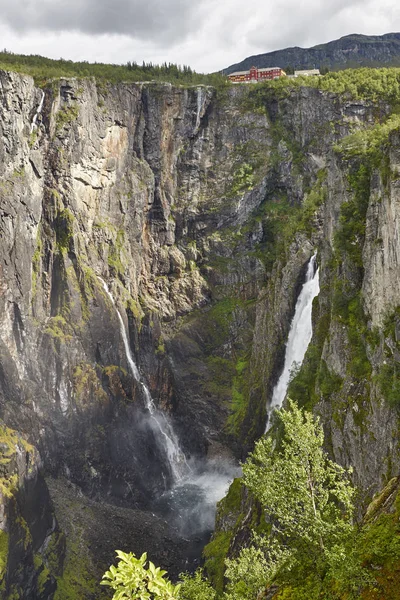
x,y
32,546
168,194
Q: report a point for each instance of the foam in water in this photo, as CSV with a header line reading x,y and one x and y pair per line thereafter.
x,y
191,503
299,336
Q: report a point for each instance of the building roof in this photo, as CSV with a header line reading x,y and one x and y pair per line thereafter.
x,y
271,69
259,70
307,72
239,73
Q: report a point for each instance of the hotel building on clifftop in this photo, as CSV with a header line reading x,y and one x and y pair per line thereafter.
x,y
255,75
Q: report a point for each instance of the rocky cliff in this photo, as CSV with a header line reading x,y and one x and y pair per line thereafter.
x,y
199,210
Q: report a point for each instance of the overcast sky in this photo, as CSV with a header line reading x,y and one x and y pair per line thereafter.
x,y
205,34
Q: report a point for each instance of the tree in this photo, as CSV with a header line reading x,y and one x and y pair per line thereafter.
x,y
309,503
130,579
195,587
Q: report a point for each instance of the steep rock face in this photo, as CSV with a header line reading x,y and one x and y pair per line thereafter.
x,y
142,186
199,211
32,546
350,373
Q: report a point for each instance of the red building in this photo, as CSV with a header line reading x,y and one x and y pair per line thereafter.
x,y
254,75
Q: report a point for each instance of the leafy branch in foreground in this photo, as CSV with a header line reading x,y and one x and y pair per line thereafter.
x,y
131,579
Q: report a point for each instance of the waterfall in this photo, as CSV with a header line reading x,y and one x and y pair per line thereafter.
x,y
299,336
167,439
37,113
199,107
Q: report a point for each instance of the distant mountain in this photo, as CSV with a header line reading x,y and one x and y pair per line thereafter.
x,y
353,50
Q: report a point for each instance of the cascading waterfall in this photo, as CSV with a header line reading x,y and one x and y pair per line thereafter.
x,y
37,113
168,440
199,106
299,336
191,501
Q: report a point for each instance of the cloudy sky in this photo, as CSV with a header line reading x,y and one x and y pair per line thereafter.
x,y
206,34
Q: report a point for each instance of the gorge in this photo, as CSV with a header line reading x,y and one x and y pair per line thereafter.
x,y
154,243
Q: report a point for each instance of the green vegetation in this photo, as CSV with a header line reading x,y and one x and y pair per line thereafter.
x,y
132,579
58,328
87,386
64,228
240,391
311,548
373,84
3,556
36,261
282,220
215,553
115,252
243,180
309,500
195,587
66,115
44,69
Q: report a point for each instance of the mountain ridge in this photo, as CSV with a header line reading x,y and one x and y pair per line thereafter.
x,y
354,50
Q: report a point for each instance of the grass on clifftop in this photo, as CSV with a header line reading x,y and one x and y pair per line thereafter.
x,y
43,69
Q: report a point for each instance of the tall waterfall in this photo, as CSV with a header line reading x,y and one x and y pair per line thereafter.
x,y
299,336
190,503
37,113
200,100
167,438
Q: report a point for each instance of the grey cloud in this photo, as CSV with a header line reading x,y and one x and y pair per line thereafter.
x,y
306,24
160,20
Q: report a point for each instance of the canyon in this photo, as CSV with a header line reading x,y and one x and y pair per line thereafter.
x,y
168,230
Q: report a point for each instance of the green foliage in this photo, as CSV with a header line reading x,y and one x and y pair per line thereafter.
x,y
115,252
388,380
256,566
382,84
58,328
349,238
131,579
63,226
309,501
195,587
66,115
240,393
3,555
215,553
328,382
243,180
368,143
44,69
316,511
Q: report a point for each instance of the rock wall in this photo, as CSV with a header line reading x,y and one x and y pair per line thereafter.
x,y
200,210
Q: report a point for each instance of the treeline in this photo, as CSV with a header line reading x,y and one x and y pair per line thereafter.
x,y
43,69
366,83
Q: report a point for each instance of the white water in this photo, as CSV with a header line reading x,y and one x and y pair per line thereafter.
x,y
167,439
199,106
37,113
192,499
299,337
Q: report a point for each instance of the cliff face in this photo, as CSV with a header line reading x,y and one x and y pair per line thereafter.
x,y
184,202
